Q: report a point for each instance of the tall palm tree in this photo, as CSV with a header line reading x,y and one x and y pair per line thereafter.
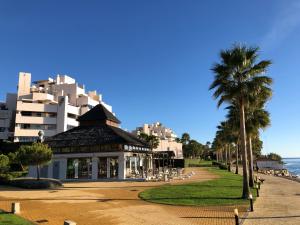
x,y
257,118
185,138
238,79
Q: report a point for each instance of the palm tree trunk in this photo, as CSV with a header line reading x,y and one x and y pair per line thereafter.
x,y
250,157
237,159
246,189
229,159
217,155
226,155
222,155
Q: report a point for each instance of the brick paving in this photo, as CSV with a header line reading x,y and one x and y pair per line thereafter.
x,y
278,204
111,203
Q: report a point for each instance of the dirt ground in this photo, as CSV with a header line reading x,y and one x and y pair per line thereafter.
x,y
111,203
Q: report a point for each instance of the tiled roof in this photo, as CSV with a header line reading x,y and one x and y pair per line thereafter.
x,y
94,135
98,113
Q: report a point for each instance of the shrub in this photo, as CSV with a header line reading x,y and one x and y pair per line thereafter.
x,y
5,178
4,162
223,166
30,183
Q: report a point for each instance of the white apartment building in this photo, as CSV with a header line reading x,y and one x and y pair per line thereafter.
x,y
166,138
51,105
7,112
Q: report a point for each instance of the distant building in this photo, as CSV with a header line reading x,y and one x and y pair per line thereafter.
x,y
97,149
50,105
166,138
269,164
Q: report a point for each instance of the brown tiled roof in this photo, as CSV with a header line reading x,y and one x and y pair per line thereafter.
x,y
98,113
94,135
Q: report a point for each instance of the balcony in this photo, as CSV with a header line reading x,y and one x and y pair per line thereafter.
x,y
35,119
32,133
36,107
37,96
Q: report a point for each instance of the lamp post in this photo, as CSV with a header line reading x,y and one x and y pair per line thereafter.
x,y
251,202
236,216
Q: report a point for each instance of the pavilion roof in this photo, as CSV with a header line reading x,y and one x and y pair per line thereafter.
x,y
94,135
98,113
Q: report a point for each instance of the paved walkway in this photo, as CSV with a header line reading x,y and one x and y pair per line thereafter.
x,y
278,204
111,203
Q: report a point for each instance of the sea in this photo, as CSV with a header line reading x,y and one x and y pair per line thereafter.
x,y
292,165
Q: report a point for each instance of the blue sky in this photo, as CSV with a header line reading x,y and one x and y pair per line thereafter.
x,y
151,60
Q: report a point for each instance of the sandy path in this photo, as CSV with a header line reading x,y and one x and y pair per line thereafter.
x,y
111,203
278,204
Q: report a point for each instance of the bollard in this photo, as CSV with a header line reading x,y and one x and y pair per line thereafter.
x,y
258,183
15,208
251,202
257,191
236,216
69,222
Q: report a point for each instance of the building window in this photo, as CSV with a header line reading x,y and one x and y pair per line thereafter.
x,y
114,167
28,126
27,139
38,114
79,168
72,116
102,167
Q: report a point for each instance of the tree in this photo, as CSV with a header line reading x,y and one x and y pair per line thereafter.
x,y
256,118
36,154
185,138
178,140
238,80
151,140
194,149
4,162
274,156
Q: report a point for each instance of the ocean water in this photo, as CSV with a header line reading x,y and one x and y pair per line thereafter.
x,y
293,165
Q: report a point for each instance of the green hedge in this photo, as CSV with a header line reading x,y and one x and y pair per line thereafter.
x,y
30,183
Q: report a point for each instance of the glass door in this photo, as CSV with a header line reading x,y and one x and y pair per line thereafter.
x,y
102,167
114,166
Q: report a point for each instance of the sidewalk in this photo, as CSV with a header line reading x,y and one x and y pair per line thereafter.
x,y
278,204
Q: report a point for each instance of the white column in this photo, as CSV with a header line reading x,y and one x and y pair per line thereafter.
x,y
122,167
94,168
108,167
135,164
63,169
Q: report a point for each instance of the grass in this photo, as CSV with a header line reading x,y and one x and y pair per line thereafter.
x,y
225,190
197,163
11,219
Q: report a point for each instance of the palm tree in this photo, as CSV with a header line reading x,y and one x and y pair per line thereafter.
x,y
238,80
185,138
256,119
151,140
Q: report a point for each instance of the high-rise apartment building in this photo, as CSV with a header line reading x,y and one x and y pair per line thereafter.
x,y
165,135
50,105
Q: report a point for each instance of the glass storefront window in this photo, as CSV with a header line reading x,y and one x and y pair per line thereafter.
x,y
114,166
102,167
79,168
